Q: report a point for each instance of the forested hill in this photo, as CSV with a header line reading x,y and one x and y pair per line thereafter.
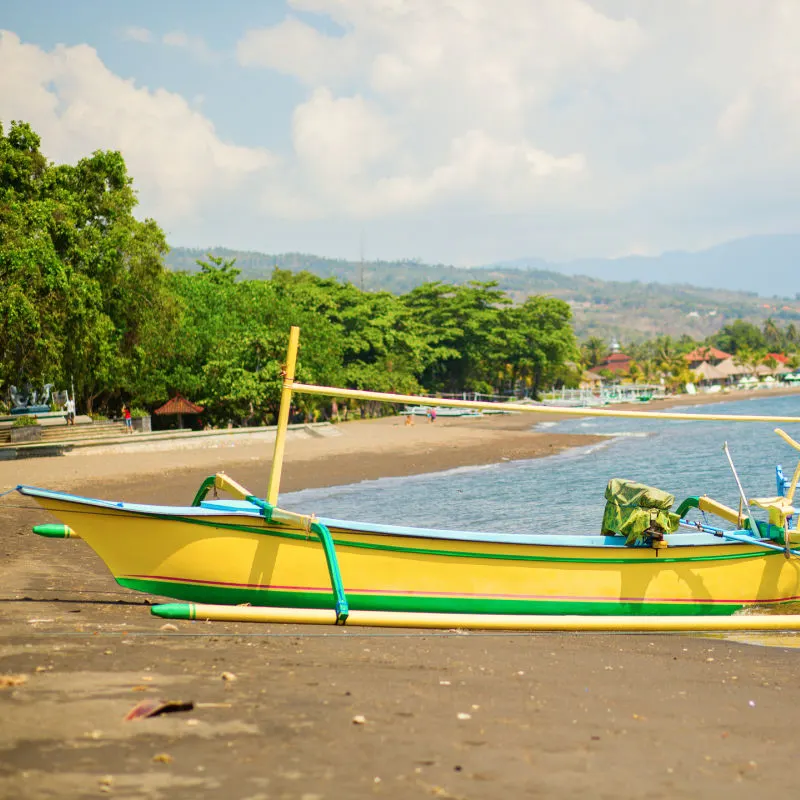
x,y
628,310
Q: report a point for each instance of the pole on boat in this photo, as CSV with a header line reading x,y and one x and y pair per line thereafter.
x,y
507,622
796,477
410,399
283,417
742,496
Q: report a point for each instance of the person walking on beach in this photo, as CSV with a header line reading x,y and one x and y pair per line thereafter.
x,y
126,412
69,407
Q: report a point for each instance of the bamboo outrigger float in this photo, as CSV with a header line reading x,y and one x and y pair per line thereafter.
x,y
244,558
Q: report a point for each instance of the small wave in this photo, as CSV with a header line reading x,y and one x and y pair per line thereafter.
x,y
628,435
597,447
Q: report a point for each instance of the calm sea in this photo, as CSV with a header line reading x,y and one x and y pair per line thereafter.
x,y
564,493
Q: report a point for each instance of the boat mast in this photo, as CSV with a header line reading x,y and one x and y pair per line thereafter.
x,y
283,417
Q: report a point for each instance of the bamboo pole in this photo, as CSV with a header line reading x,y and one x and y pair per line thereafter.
x,y
510,622
360,394
788,439
796,477
283,417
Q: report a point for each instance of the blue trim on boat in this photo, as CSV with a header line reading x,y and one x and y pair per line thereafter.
x,y
230,505
552,539
243,508
134,508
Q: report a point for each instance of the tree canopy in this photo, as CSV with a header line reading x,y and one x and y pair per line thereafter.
x,y
82,287
85,299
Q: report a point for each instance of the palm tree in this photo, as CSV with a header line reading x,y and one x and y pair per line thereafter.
x,y
749,359
634,372
678,372
649,370
594,350
773,335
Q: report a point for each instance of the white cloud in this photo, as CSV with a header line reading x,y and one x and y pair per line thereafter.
x,y
735,116
340,138
77,105
297,49
135,34
193,44
446,92
556,128
617,109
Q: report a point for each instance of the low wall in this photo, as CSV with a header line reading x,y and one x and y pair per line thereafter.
x,y
166,440
142,424
27,434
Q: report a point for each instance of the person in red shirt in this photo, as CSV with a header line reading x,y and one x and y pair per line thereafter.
x,y
126,412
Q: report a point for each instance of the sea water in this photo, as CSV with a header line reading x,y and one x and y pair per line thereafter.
x,y
564,493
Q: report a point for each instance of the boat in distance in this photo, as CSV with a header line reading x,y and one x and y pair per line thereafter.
x,y
245,550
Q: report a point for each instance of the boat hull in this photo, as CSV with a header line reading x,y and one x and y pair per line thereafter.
x,y
213,556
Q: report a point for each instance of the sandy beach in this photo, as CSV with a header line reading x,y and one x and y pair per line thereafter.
x,y
291,712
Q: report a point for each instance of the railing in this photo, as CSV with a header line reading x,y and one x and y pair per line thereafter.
x,y
607,395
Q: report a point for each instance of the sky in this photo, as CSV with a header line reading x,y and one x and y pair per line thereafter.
x,y
455,131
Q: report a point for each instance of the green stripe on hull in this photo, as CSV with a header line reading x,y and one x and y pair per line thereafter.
x,y
225,595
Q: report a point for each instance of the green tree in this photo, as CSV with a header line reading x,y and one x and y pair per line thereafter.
x,y
773,336
737,335
792,337
33,279
81,280
593,351
539,342
634,372
750,359
381,341
218,270
463,326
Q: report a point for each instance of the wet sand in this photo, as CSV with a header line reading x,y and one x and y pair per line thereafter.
x,y
444,715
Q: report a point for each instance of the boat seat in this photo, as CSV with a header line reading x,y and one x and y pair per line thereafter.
x,y
779,508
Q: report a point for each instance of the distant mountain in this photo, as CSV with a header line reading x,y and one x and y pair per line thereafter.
x,y
629,310
768,265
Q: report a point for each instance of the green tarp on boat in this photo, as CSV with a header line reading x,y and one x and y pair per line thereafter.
x,y
637,512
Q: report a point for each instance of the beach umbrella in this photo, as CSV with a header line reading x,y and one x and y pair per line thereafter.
x,y
179,405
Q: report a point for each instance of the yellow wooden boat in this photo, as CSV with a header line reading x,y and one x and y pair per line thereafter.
x,y
242,549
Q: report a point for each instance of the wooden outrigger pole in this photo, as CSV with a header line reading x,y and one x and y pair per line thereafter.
x,y
359,394
484,622
283,417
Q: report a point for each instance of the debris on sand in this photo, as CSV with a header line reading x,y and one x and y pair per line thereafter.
x,y
154,708
10,681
